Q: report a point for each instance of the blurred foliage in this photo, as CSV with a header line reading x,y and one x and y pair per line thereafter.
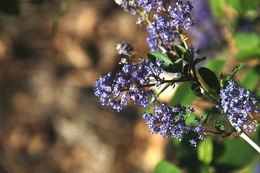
x,y
8,7
166,167
248,45
205,151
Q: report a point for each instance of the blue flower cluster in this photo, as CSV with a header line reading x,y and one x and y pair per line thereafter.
x,y
168,20
171,122
130,83
238,103
144,5
161,33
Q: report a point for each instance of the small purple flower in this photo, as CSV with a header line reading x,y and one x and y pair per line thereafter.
x,y
237,103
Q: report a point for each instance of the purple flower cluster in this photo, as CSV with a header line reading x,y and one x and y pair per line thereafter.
x,y
171,122
130,83
237,103
168,20
161,32
133,82
164,29
144,5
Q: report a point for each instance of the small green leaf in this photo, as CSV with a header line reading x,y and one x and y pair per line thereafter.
x,y
166,167
154,55
168,64
181,51
219,127
205,151
234,71
209,80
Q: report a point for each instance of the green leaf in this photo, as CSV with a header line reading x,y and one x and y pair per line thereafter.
x,y
168,64
154,55
248,45
205,151
209,80
166,167
235,152
251,78
181,51
215,64
183,95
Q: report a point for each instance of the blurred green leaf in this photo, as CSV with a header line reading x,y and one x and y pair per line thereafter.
x,y
236,4
243,6
248,45
249,6
183,95
204,169
12,7
205,151
217,7
251,78
215,64
235,152
166,167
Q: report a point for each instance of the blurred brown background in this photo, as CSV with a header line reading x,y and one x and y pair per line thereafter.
x,y
51,53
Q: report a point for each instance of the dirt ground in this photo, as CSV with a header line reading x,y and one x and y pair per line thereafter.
x,y
50,120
